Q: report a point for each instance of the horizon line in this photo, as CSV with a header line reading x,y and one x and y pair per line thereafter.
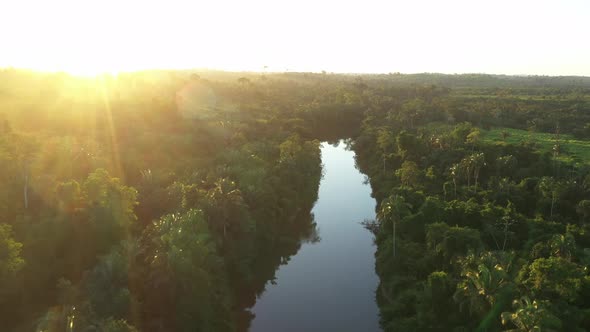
x,y
286,71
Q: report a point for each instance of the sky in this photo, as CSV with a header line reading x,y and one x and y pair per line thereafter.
x,y
522,37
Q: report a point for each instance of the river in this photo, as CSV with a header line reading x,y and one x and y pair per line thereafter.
x,y
328,285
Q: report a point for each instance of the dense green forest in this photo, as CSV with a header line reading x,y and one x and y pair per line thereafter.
x,y
144,202
166,200
483,206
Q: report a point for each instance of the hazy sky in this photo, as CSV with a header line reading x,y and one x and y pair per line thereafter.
x,y
449,36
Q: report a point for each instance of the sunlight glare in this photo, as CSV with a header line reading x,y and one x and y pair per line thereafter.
x,y
92,37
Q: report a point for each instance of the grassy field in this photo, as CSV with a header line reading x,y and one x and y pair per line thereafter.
x,y
571,149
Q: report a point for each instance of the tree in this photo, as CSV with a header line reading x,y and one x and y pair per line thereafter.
x,y
409,174
486,282
102,300
530,316
551,189
24,151
471,166
563,246
583,210
554,278
467,168
506,165
107,284
503,225
478,162
412,110
110,208
393,209
450,242
10,253
460,132
226,204
409,146
454,172
473,138
435,304
430,173
386,142
186,283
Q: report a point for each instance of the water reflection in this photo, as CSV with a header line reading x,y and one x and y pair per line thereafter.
x,y
272,253
329,284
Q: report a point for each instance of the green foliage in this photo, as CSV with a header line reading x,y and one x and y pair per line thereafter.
x,y
450,242
435,303
165,209
554,278
530,316
188,274
225,206
409,173
486,285
497,198
460,134
10,253
82,182
107,285
583,210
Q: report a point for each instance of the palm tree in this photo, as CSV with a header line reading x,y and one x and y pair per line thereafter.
x,y
472,165
478,161
454,175
563,246
552,189
529,316
486,281
225,198
393,208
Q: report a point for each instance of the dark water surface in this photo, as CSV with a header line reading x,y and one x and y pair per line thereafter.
x,y
328,285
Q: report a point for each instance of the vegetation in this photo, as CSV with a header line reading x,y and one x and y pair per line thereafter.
x,y
145,202
570,148
479,227
164,201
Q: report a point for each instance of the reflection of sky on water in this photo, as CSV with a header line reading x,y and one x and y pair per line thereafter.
x,y
329,285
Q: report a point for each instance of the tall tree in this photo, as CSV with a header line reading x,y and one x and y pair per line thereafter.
x,y
225,202
393,209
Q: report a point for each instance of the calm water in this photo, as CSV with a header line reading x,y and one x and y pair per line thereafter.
x,y
329,285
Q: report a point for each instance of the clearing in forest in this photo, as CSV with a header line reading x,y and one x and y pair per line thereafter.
x,y
571,149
